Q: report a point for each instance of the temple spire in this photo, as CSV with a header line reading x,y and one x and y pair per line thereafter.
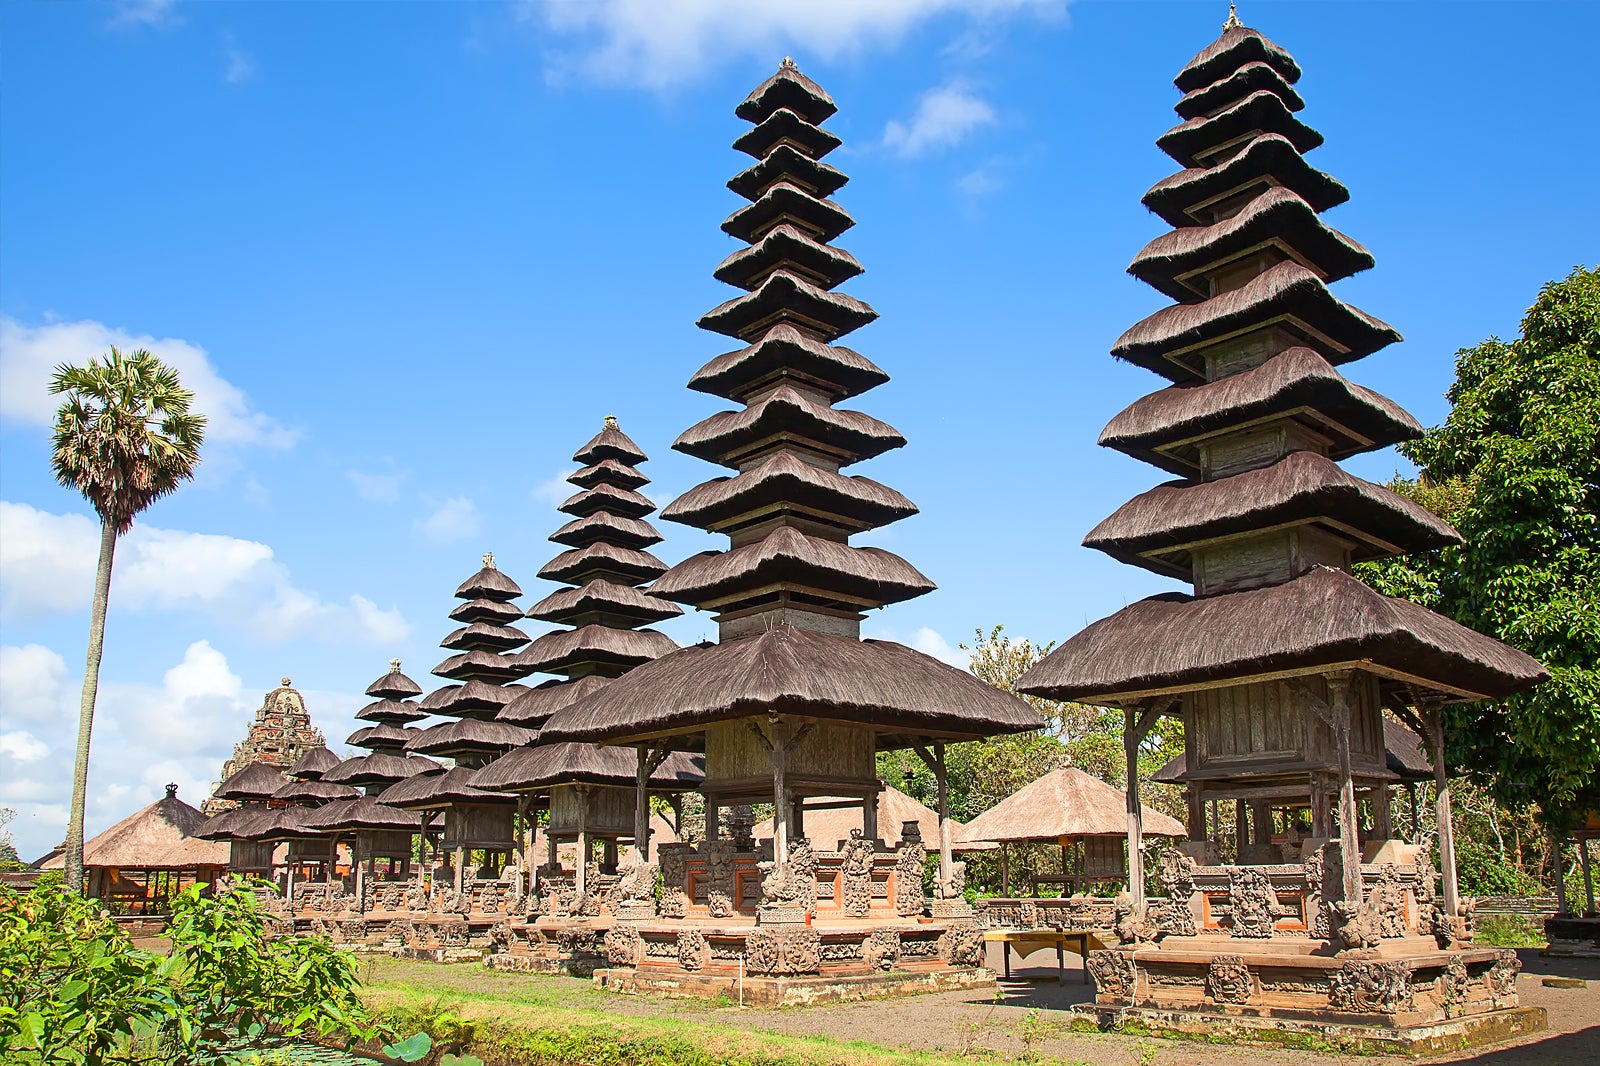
x,y
1233,22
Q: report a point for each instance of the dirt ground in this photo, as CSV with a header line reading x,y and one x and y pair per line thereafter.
x,y
1027,1018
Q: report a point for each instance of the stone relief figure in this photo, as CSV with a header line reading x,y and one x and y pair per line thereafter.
x,y
718,857
856,871
634,890
1113,972
783,951
1368,986
1450,987
1133,924
674,900
909,899
1175,871
1174,918
881,949
693,950
1388,901
1503,978
1253,903
956,886
623,946
1228,979
1321,881
1360,925
962,945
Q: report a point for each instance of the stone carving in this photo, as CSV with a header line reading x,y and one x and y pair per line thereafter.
x,y
281,733
580,940
783,951
1133,923
1113,972
741,828
791,885
1228,979
1323,871
1174,918
1427,873
417,897
1387,899
1253,904
956,886
500,936
881,949
857,874
1360,925
1503,978
693,950
908,895
962,945
634,894
1450,987
674,897
1175,871
623,946
718,856
1365,987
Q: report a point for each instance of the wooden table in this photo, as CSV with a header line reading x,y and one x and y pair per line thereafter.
x,y
1031,940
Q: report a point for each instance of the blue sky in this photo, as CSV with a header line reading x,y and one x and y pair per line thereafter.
x,y
410,255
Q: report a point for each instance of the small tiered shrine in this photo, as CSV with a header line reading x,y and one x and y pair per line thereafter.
x,y
310,854
1281,663
280,734
590,792
791,704
245,794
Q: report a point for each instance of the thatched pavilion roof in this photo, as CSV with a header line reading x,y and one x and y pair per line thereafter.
x,y
257,781
1066,803
161,836
543,765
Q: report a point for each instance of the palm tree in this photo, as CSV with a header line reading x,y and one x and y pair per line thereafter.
x,y
124,438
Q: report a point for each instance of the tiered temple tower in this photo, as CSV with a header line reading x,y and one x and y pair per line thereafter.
x,y
791,703
1281,663
281,733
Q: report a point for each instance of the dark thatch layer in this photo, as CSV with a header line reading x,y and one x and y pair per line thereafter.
x,y
366,813
784,125
603,597
1285,288
229,825
1229,52
1322,618
619,501
1267,155
567,648
783,352
485,635
431,791
479,666
1300,487
470,697
787,414
623,532
1066,803
1405,754
394,685
494,612
544,765
488,584
610,443
313,763
785,202
787,555
787,247
396,712
288,823
1293,380
786,163
468,735
381,737
539,703
786,297
788,88
314,792
257,780
609,472
626,566
1261,111
793,671
785,482
1252,77
1276,215
379,768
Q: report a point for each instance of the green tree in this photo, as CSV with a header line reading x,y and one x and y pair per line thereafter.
x,y
1516,468
124,438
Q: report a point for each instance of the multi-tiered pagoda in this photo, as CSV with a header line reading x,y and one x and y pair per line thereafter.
x,y
791,703
1281,663
280,734
590,791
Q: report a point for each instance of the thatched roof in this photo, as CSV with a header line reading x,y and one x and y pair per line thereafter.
x,y
474,696
786,247
728,436
358,814
784,200
476,665
540,702
488,584
1343,333
1295,380
494,612
1301,487
313,763
383,736
314,792
788,88
825,828
625,566
288,823
468,735
610,443
1237,46
1268,154
793,671
544,765
603,599
1263,111
257,781
609,472
1066,803
784,483
787,555
1169,262
784,352
231,824
394,685
394,712
785,125
485,635
1322,619
444,788
1251,77
379,768
787,163
601,526
608,498
787,297
567,648
162,836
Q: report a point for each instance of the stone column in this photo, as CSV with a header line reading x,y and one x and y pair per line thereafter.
x,y
942,781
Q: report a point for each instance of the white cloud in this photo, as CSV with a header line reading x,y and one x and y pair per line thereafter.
x,y
455,519
33,684
945,116
144,12
377,488
240,65
658,43
29,354
929,642
47,566
556,488
22,746
981,181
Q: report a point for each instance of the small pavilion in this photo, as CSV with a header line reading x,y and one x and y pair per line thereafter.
x,y
251,789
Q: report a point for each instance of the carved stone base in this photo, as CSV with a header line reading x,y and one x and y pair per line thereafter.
x,y
781,915
635,910
792,991
950,908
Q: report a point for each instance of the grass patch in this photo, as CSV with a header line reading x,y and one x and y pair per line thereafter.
x,y
1508,931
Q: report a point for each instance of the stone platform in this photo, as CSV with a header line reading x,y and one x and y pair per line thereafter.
x,y
792,991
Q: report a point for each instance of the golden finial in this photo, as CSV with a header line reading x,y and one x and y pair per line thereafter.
x,y
488,560
394,666
286,682
611,421
1233,22
787,64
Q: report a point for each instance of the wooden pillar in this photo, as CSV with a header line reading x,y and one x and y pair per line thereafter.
x,y
1416,817
1434,723
1005,870
1261,824
1136,721
583,839
1557,840
1349,843
553,856
782,804
1321,813
713,819
942,781
641,805
608,855
1382,813
798,823
1197,814
869,818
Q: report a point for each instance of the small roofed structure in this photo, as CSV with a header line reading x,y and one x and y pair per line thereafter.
x,y
137,865
1085,816
250,788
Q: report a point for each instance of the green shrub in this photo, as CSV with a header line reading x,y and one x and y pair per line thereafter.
x,y
1484,873
1508,931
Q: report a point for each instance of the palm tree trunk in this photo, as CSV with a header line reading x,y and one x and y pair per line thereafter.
x,y
91,684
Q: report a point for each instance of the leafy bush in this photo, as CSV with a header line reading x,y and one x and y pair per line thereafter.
x,y
1508,931
1484,873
